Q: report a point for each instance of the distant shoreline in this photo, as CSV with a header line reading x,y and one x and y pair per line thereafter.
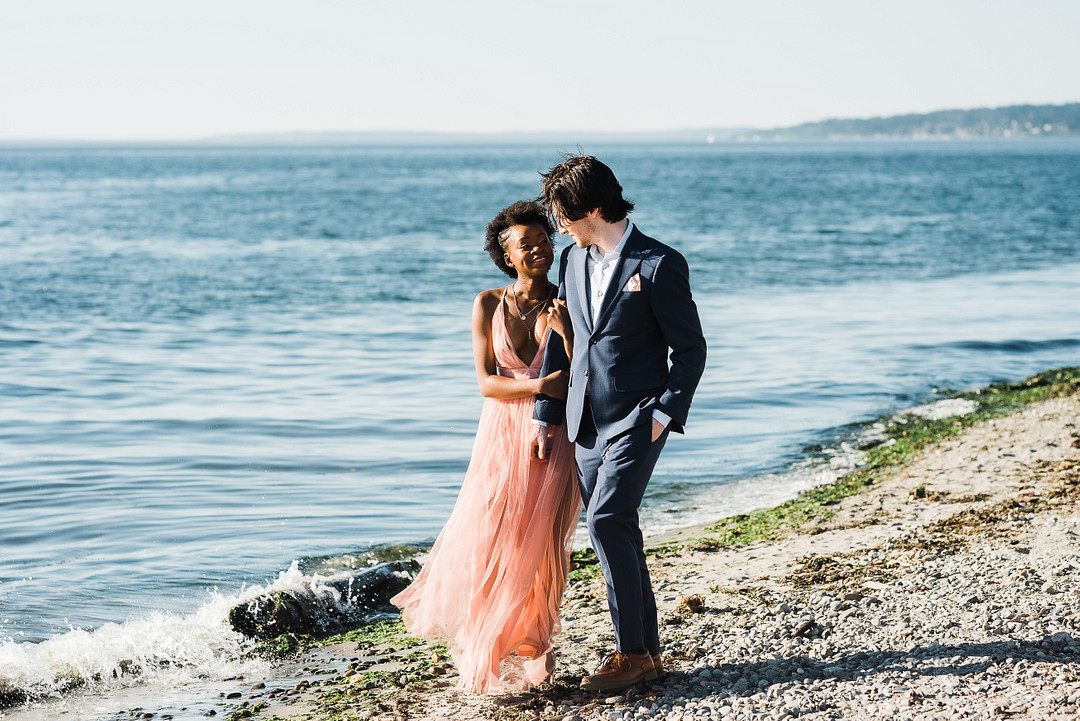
x,y
1011,122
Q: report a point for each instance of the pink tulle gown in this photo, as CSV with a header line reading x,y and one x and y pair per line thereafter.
x,y
494,580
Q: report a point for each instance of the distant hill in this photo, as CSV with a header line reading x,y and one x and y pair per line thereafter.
x,y
1014,121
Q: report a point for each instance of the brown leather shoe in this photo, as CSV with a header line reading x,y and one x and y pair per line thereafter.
x,y
658,666
620,671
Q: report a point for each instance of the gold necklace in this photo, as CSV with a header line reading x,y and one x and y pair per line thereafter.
x,y
524,317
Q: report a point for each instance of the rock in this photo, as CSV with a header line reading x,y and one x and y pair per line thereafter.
x,y
326,608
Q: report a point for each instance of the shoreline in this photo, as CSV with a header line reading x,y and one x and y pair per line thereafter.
x,y
942,583
939,579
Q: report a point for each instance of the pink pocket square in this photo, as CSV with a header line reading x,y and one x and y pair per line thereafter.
x,y
634,284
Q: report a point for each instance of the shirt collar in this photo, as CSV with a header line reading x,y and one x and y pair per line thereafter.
x,y
598,255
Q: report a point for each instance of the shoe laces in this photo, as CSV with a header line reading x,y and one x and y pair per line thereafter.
x,y
617,661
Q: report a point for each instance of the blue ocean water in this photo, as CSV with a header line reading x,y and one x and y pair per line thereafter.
x,y
217,361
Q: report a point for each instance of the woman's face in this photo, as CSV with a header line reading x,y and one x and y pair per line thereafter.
x,y
528,250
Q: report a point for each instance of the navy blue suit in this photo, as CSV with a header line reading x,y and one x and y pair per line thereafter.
x,y
646,351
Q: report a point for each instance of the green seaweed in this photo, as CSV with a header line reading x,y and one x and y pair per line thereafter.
x,y
284,646
584,565
247,711
906,436
384,631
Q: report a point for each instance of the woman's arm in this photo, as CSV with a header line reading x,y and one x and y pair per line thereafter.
x,y
493,385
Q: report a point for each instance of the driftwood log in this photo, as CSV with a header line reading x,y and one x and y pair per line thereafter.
x,y
326,607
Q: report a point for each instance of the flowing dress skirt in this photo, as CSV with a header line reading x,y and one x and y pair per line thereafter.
x,y
493,582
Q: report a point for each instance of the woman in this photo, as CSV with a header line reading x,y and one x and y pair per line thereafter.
x,y
493,582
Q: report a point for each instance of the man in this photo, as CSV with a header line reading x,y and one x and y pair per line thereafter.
x,y
629,302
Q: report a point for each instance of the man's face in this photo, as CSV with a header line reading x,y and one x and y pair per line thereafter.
x,y
582,231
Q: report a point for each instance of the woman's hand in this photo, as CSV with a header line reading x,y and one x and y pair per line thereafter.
x,y
554,384
558,318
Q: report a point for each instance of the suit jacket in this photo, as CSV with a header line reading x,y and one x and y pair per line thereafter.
x,y
645,351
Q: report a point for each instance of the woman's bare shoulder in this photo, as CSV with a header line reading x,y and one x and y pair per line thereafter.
x,y
486,302
489,298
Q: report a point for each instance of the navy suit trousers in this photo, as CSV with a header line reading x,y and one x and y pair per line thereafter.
x,y
613,477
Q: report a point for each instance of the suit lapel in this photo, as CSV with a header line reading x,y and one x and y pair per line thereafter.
x,y
628,264
580,273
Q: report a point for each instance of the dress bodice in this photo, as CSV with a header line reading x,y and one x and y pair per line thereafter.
x,y
507,361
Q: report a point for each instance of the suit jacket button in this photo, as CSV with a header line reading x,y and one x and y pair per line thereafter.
x,y
586,371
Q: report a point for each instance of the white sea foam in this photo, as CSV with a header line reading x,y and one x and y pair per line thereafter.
x,y
944,409
161,648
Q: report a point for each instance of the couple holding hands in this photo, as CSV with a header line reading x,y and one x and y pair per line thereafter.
x,y
583,382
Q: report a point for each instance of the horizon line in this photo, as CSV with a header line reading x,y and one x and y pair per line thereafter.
x,y
703,133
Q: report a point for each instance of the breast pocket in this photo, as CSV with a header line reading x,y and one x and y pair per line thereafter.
x,y
632,306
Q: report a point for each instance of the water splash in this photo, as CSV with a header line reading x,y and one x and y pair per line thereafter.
x,y
161,648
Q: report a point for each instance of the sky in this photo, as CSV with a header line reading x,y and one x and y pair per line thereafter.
x,y
146,70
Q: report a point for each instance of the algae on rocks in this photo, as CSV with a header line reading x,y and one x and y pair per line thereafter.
x,y
325,607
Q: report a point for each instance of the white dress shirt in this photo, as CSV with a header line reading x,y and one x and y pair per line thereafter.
x,y
600,266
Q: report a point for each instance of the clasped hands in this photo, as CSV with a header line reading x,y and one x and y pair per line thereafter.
x,y
558,319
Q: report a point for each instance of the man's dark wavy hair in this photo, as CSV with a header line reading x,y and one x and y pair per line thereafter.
x,y
523,212
581,184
